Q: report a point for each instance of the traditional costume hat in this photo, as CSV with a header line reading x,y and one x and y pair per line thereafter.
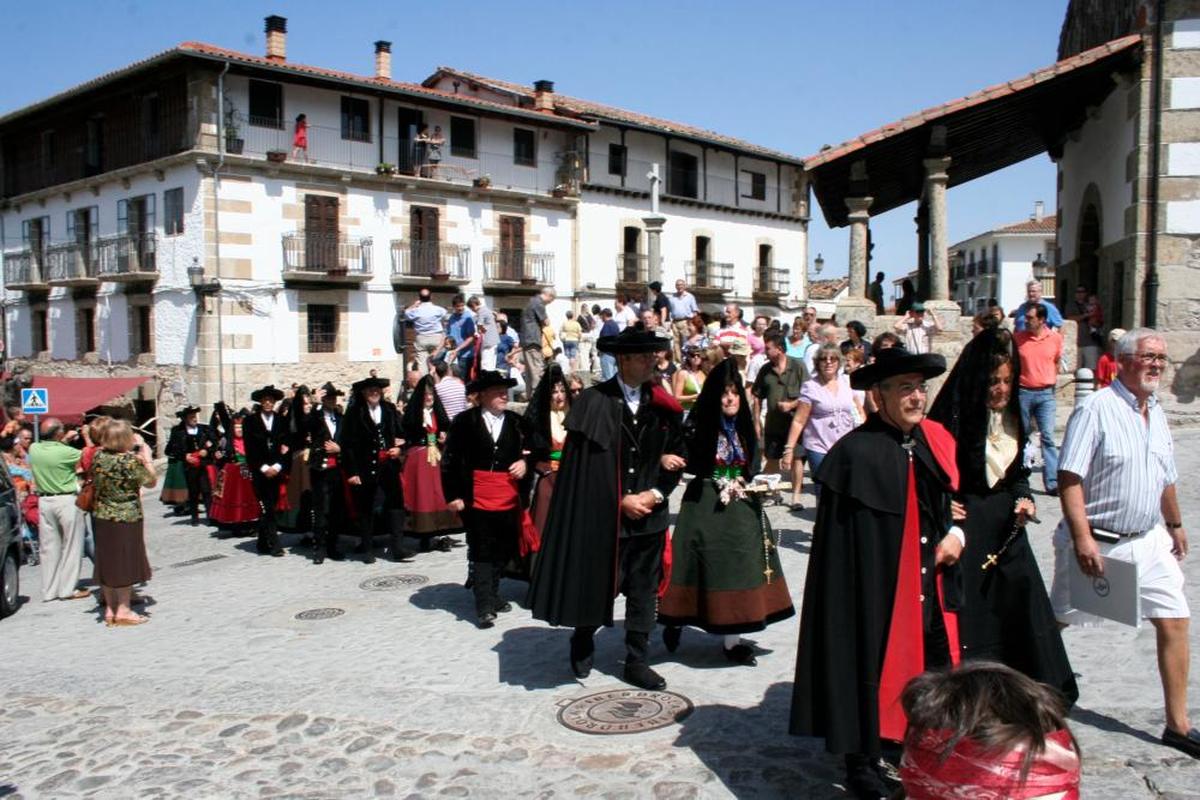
x,y
896,361
268,392
632,340
331,391
370,383
184,412
490,379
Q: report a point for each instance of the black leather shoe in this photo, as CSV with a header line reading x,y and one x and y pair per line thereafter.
x,y
862,778
369,557
582,651
1188,743
277,553
318,557
504,607
741,654
334,554
487,619
641,676
401,554
671,637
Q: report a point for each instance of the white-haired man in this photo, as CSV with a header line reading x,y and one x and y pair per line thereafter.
x,y
1116,481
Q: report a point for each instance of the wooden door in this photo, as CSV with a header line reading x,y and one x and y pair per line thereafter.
x,y
321,233
424,241
512,248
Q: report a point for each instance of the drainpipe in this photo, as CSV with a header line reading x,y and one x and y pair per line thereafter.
x,y
1150,294
216,173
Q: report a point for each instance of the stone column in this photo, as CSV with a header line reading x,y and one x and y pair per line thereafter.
x,y
939,300
654,226
856,305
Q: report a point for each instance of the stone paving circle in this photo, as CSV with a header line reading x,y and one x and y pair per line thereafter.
x,y
320,613
624,711
391,583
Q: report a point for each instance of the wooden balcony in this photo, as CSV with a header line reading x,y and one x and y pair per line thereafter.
x,y
128,258
73,264
327,258
23,271
424,263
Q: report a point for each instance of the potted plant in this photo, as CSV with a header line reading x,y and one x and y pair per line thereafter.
x,y
234,143
277,156
384,168
483,182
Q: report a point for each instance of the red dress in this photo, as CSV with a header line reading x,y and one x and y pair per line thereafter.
x,y
421,482
300,138
233,498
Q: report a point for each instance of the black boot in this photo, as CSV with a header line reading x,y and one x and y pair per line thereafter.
x,y
582,649
501,606
319,547
637,645
485,599
671,637
863,779
367,547
398,551
329,541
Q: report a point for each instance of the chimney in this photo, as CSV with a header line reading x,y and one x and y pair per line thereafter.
x,y
543,95
1039,211
276,38
383,60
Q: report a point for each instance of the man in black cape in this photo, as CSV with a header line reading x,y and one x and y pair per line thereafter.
x,y
192,443
482,471
608,518
268,458
323,425
879,598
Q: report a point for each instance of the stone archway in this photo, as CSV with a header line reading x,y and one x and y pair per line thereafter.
x,y
1088,243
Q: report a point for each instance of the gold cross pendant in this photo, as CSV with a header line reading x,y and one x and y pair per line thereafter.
x,y
768,572
992,560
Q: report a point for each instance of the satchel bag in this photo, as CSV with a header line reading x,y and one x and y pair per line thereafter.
x,y
86,499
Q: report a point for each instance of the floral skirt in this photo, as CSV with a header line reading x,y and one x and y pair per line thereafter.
x,y
234,501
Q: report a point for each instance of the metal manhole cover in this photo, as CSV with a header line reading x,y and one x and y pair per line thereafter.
x,y
624,711
320,613
390,583
193,561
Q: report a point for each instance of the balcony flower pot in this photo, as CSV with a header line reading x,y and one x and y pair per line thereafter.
x,y
277,156
441,276
560,191
385,168
484,182
528,280
234,146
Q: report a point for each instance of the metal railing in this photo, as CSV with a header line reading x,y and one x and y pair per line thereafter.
x,y
72,261
127,253
333,254
22,267
633,268
712,275
518,265
772,281
431,260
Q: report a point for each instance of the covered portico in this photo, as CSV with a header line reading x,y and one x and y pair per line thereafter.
x,y
919,157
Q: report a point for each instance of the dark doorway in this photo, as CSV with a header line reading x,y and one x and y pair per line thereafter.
x,y
632,237
410,121
512,249
423,241
320,233
1088,254
701,252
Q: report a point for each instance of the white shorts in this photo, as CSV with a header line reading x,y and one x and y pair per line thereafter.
x,y
1160,578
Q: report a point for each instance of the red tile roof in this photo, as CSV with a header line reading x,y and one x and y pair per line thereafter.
x,y
983,96
586,108
826,289
1047,224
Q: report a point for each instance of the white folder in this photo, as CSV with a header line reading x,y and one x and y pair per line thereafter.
x,y
1114,595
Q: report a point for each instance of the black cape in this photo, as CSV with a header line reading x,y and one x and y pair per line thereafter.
x,y
1006,614
851,583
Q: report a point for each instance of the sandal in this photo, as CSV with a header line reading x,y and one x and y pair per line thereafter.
x,y
126,622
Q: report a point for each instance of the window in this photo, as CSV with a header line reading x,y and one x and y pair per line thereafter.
x,y
758,185
35,235
356,119
683,178
616,159
524,147
40,335
322,328
85,330
995,258
173,211
266,104
141,334
462,137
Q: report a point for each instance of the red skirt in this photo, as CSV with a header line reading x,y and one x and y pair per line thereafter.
x,y
233,498
425,508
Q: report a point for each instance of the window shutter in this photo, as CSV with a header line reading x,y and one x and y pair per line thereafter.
x,y
71,225
123,216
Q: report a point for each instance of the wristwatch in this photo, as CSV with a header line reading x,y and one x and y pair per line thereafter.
x,y
1171,526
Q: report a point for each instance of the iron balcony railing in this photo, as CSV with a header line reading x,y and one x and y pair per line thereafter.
x,y
711,275
633,268
518,265
72,261
127,254
772,280
23,268
431,260
332,254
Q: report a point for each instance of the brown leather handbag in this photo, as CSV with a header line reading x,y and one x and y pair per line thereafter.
x,y
85,500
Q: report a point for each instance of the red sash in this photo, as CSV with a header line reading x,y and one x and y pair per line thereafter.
x,y
497,491
970,770
193,459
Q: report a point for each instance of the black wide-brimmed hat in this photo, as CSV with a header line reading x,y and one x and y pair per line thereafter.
x,y
896,361
370,383
331,390
268,392
489,379
633,340
183,412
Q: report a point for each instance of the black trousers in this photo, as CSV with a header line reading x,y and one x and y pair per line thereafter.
x,y
639,571
267,491
198,488
493,540
382,486
328,501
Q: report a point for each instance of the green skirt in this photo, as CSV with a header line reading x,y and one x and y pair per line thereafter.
x,y
724,578
174,491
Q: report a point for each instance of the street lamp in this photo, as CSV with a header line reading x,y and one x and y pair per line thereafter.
x,y
201,287
818,264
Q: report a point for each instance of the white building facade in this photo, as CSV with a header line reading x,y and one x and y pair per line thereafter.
x,y
999,263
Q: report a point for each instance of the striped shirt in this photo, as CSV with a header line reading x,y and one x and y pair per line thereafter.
x,y
1125,462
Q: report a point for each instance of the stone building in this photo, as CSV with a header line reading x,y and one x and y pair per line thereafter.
x,y
160,221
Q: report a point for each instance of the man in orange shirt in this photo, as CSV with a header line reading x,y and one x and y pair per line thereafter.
x,y
1040,349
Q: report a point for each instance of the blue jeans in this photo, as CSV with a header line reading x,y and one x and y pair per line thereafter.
x,y
1040,405
814,461
570,349
608,365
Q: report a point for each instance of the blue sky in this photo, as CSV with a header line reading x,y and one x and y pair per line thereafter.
x,y
788,75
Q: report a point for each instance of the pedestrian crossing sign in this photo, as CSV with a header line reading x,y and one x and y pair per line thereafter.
x,y
35,401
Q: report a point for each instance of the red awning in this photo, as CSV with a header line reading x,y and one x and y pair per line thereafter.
x,y
71,398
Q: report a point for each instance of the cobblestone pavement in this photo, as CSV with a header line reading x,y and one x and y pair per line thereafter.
x,y
225,694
